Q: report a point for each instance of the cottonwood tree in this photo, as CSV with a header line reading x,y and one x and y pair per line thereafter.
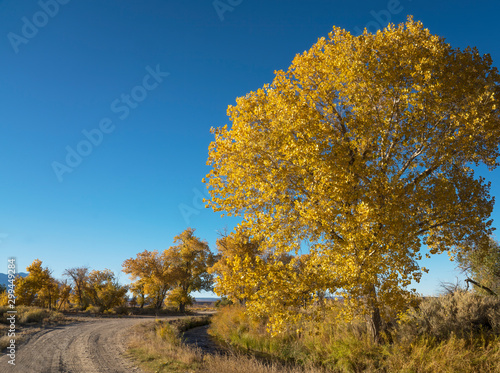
x,y
189,261
363,150
64,294
246,272
173,273
151,274
79,277
39,288
104,290
139,294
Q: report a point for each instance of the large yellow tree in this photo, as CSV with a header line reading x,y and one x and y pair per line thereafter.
x,y
363,150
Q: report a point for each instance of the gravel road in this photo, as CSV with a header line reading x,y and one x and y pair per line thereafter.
x,y
95,346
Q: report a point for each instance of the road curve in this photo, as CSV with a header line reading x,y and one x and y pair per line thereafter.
x,y
95,346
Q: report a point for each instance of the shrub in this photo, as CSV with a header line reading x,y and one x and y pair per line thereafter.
x,y
35,315
93,310
223,302
461,313
121,310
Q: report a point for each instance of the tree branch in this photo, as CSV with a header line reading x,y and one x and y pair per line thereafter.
x,y
488,290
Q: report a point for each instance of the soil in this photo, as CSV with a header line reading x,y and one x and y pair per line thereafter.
x,y
88,346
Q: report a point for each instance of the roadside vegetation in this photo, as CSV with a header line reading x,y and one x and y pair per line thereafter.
x,y
158,347
457,332
33,317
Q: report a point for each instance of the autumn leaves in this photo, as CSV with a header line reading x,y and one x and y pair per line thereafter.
x,y
361,152
172,274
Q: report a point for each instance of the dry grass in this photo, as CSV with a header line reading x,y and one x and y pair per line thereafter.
x,y
237,363
156,347
29,320
31,315
453,333
5,339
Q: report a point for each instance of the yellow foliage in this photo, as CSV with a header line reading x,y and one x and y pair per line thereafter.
x,y
175,272
361,150
39,288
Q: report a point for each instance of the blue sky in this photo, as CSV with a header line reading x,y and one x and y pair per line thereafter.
x,y
152,77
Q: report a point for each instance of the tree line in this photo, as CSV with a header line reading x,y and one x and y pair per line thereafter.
x,y
158,277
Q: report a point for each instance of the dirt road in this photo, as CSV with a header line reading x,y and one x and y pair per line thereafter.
x,y
95,346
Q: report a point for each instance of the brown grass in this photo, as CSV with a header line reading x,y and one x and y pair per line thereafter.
x,y
156,347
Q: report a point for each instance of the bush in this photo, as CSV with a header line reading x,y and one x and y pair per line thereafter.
x,y
223,302
462,314
29,315
94,310
121,310
35,315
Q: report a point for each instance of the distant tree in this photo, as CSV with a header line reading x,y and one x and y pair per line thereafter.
x,y
38,288
137,289
64,294
104,290
79,278
151,272
4,297
481,264
362,150
189,261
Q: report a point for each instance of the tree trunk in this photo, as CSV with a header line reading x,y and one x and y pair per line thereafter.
x,y
182,307
50,300
374,324
80,299
374,320
488,290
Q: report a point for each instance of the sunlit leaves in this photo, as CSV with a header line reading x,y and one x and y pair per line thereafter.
x,y
362,149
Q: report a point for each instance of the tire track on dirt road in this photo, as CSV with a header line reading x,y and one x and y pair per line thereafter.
x,y
96,346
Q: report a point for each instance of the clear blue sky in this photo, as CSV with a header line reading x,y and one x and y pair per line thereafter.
x,y
77,66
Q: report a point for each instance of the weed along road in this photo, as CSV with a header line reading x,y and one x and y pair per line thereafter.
x,y
95,346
